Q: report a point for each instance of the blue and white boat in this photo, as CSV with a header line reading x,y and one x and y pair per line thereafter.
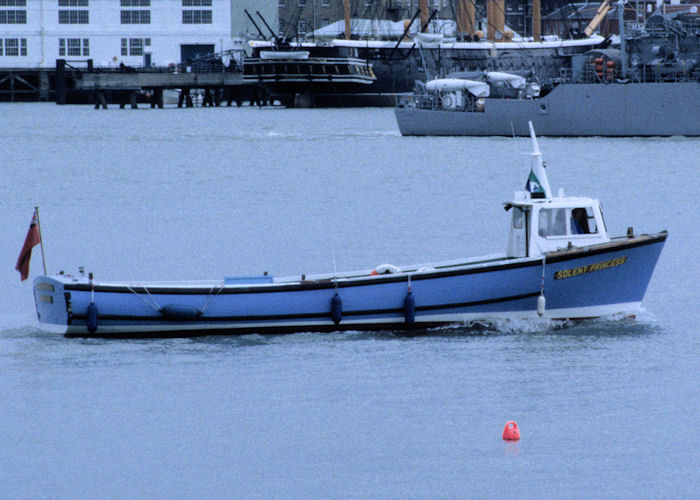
x,y
560,264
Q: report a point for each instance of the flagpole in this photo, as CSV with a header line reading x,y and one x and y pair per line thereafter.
x,y
41,239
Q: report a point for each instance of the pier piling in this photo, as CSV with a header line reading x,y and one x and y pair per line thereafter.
x,y
61,81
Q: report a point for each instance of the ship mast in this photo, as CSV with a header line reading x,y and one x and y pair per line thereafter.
x,y
346,15
465,17
536,24
424,14
496,19
598,18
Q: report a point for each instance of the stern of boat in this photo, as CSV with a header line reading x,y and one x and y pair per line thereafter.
x,y
52,303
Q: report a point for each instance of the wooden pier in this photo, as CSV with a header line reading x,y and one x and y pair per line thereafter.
x,y
128,86
26,84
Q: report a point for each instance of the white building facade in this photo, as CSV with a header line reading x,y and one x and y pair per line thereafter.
x,y
34,33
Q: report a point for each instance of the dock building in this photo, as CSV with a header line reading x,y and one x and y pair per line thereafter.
x,y
112,33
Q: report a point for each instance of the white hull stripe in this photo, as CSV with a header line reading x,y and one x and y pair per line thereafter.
x,y
433,319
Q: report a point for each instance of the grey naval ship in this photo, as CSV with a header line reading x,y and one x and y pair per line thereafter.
x,y
649,86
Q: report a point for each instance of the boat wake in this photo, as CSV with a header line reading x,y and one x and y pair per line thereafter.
x,y
18,323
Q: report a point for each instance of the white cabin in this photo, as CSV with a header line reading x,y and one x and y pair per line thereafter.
x,y
541,225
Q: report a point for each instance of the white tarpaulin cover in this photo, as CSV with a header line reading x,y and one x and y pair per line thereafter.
x,y
478,89
514,81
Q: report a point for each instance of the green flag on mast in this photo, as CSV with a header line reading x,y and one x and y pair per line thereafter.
x,y
537,183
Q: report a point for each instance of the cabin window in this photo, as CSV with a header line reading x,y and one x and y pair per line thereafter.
x,y
552,222
602,218
518,218
583,221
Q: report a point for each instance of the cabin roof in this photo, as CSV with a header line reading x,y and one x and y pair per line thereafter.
x,y
557,202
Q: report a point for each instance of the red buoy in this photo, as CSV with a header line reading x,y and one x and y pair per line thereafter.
x,y
511,432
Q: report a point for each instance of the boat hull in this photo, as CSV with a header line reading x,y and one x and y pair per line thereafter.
x,y
579,283
615,110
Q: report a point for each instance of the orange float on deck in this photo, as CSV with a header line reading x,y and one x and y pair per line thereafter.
x,y
511,431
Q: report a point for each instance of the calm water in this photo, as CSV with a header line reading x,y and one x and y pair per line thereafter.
x,y
606,409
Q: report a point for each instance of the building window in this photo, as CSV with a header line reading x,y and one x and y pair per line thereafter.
x,y
134,46
73,17
135,3
13,3
13,16
281,3
325,3
196,16
302,3
136,17
282,27
325,22
13,47
301,27
73,47
196,3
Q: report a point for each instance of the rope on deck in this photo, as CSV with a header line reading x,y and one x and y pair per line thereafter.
x,y
153,302
218,288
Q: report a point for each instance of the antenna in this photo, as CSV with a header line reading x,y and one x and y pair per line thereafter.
x,y
335,273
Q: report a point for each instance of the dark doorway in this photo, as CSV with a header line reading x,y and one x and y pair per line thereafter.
x,y
192,52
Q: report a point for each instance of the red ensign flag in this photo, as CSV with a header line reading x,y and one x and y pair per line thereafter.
x,y
33,238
